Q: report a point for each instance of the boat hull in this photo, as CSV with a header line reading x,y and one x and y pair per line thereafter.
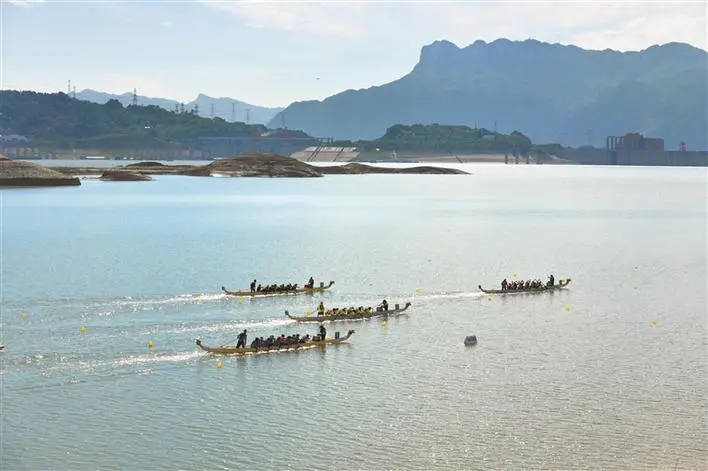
x,y
316,289
350,317
232,350
560,285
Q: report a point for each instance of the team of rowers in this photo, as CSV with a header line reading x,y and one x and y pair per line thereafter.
x,y
275,288
280,341
527,284
348,311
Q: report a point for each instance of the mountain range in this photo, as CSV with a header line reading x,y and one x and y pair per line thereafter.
x,y
228,109
549,92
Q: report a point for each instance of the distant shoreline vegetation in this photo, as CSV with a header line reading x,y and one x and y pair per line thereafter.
x,y
58,121
55,120
448,139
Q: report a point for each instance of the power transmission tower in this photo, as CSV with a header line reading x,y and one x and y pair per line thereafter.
x,y
248,115
212,111
233,112
134,101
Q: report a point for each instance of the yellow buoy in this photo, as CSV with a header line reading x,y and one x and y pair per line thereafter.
x,y
417,291
150,344
636,287
653,323
685,271
24,315
567,309
489,298
218,364
82,329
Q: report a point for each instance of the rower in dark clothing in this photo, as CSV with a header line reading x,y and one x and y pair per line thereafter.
x,y
384,305
323,332
253,286
310,283
504,284
241,339
551,280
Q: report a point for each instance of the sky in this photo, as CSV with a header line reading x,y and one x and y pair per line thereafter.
x,y
275,53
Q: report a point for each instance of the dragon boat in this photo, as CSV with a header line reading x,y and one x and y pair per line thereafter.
x,y
378,312
232,350
246,292
541,289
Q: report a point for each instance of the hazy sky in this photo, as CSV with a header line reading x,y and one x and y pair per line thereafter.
x,y
274,53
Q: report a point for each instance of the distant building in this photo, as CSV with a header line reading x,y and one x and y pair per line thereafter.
x,y
634,141
635,149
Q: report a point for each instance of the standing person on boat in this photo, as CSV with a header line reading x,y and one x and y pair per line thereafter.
x,y
321,309
384,305
253,286
323,332
551,280
310,283
504,284
241,339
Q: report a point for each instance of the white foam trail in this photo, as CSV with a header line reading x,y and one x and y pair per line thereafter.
x,y
468,294
181,298
225,327
148,359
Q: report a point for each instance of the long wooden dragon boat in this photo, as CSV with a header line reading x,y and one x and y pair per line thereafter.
x,y
232,350
316,289
351,317
542,289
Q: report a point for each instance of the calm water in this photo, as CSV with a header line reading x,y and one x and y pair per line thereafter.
x,y
581,378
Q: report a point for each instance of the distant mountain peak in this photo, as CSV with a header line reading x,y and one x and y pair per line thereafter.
x,y
438,50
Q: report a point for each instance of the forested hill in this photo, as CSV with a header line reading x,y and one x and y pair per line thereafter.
x,y
444,139
55,119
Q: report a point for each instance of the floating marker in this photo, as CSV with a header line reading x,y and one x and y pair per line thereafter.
x,y
417,291
24,316
567,309
489,298
685,271
653,323
636,268
82,329
636,287
150,344
240,300
218,364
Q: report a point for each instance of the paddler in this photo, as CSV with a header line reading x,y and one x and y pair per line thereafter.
x,y
323,332
241,339
311,283
504,284
384,305
253,286
551,280
321,309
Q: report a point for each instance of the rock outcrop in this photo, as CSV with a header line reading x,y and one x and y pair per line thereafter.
x,y
14,173
254,164
258,164
359,169
124,176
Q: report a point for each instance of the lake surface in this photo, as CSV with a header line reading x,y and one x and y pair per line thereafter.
x,y
609,373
